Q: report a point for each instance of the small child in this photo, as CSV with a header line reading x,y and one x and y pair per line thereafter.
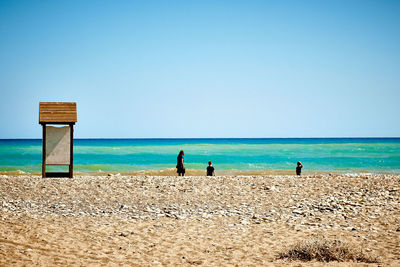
x,y
298,168
210,169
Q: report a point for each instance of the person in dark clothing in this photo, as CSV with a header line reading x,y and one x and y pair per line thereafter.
x,y
210,169
180,167
298,168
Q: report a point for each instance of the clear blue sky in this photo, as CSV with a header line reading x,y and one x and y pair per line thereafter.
x,y
203,68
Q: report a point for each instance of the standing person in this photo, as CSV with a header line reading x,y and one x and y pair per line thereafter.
x,y
180,167
210,169
298,168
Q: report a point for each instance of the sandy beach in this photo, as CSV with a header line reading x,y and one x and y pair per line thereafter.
x,y
194,220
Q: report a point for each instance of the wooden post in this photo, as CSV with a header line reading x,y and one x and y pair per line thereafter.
x,y
44,151
71,160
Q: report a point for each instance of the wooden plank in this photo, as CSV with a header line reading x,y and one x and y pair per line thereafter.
x,y
60,104
58,120
57,174
44,112
58,113
58,116
56,107
57,110
57,104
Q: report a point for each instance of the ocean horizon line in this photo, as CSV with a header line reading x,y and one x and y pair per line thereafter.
x,y
205,138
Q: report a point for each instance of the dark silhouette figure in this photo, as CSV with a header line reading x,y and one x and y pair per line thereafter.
x,y
298,168
210,169
180,167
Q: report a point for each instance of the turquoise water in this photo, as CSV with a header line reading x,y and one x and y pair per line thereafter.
x,y
122,155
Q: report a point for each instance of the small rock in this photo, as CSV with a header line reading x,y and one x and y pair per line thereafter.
x,y
245,222
298,212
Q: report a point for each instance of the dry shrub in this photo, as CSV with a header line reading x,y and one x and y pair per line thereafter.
x,y
325,251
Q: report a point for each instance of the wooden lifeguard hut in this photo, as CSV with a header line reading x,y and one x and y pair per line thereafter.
x,y
57,141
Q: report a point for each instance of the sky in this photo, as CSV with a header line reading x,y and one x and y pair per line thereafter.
x,y
206,69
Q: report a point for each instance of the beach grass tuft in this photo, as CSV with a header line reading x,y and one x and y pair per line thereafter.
x,y
325,250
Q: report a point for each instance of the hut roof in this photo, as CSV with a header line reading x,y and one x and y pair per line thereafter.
x,y
57,112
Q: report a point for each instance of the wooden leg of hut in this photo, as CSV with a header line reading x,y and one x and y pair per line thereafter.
x,y
71,160
44,151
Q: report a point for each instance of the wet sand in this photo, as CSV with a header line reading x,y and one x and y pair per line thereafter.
x,y
196,172
195,220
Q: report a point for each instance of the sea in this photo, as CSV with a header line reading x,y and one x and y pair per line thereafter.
x,y
350,155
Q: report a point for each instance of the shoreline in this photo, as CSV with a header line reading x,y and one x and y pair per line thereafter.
x,y
196,172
